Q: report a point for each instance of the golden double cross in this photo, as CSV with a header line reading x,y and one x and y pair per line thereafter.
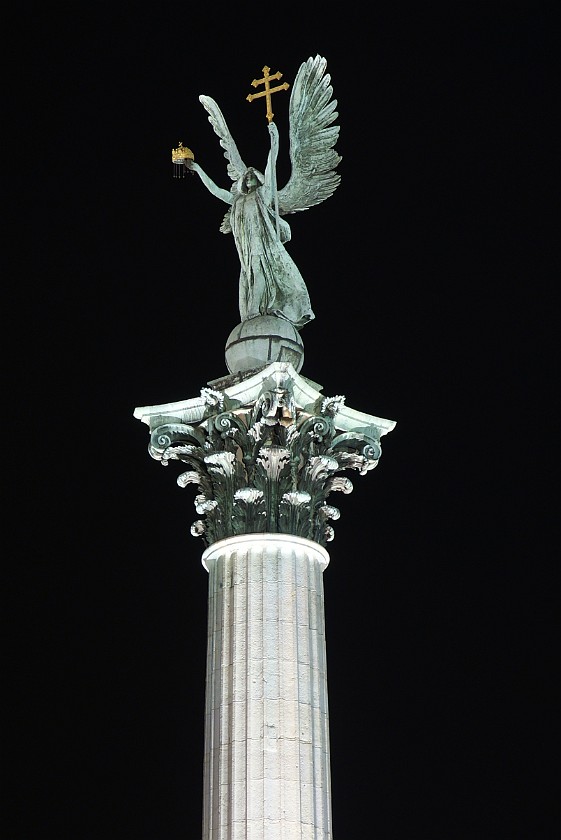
x,y
268,89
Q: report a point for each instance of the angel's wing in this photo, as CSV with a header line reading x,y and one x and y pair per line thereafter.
x,y
236,166
312,137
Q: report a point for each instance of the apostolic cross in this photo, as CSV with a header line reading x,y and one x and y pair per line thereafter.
x,y
268,90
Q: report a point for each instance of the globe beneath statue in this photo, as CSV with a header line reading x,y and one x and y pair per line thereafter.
x,y
261,341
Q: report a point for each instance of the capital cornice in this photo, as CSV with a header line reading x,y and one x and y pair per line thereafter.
x,y
265,452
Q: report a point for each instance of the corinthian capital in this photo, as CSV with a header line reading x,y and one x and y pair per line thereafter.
x,y
265,453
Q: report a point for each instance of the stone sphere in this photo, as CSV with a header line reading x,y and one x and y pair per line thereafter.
x,y
261,341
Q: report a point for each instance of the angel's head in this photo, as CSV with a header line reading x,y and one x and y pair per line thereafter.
x,y
251,180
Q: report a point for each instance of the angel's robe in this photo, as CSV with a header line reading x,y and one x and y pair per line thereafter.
x,y
270,283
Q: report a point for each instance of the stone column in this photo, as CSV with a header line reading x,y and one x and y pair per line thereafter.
x,y
266,759
266,450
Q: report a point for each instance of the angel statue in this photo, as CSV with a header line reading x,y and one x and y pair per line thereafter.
x,y
270,282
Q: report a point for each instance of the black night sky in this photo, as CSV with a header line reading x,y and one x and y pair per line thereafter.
x,y
431,272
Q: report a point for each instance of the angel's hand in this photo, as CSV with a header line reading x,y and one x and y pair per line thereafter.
x,y
273,131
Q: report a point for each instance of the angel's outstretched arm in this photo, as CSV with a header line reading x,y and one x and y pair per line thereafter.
x,y
225,195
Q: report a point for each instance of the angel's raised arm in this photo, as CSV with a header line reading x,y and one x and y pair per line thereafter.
x,y
271,168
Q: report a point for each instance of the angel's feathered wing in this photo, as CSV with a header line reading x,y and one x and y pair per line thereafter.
x,y
312,112
236,166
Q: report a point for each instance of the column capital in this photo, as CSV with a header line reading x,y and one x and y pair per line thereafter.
x,y
265,450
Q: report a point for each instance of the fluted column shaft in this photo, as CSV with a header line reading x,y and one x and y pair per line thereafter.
x,y
266,759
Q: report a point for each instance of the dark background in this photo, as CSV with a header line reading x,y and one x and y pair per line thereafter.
x,y
431,271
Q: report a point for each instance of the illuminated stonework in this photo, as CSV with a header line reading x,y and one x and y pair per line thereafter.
x,y
267,772
265,452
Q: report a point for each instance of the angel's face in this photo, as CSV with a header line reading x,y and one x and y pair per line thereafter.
x,y
251,180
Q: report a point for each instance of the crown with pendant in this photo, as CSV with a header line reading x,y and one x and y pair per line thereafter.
x,y
181,154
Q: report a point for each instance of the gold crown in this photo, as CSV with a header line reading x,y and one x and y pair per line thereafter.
x,y
181,154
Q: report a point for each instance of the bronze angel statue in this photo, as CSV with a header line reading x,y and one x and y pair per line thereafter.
x,y
270,282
